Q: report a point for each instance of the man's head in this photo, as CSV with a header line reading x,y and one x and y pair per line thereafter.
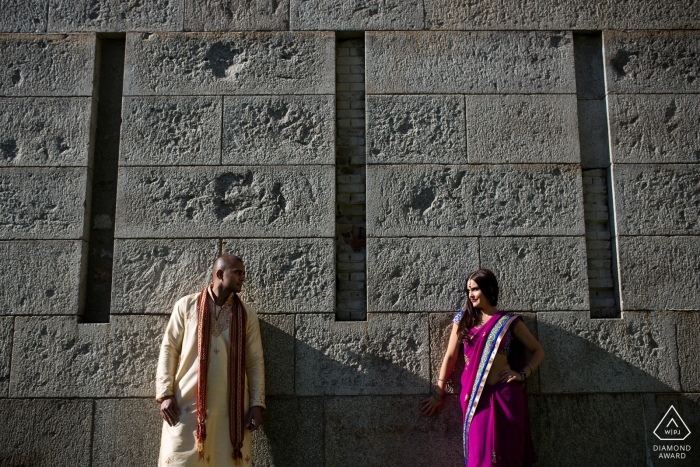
x,y
228,272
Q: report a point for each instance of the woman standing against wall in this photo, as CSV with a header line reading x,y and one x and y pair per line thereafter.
x,y
495,419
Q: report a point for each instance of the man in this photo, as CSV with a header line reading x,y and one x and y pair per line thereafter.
x,y
211,395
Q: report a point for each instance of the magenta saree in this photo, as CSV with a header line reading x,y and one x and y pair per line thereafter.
x,y
496,423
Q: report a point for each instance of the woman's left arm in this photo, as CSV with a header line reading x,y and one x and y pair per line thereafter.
x,y
523,334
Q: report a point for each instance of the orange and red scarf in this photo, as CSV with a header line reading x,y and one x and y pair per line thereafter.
x,y
236,368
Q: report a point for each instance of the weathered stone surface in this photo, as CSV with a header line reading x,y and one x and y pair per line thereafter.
x,y
687,325
57,357
634,354
418,274
655,407
45,131
655,128
562,437
151,275
657,199
279,130
287,275
277,334
659,273
115,16
171,131
41,277
593,134
237,15
387,354
652,61
484,62
126,432
416,129
464,200
522,129
391,431
650,14
46,203
45,433
23,16
225,201
292,433
440,328
47,65
538,273
355,15
6,332
231,63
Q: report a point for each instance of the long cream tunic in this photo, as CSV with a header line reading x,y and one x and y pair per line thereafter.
x,y
178,366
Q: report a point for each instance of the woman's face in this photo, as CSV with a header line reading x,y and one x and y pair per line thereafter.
x,y
476,297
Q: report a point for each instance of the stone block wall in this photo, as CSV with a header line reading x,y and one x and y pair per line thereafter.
x,y
362,158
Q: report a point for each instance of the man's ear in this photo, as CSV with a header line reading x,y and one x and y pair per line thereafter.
x,y
219,274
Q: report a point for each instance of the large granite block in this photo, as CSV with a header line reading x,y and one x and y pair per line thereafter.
x,y
580,430
462,200
45,131
149,276
292,433
483,62
655,128
6,332
41,277
115,15
237,15
46,433
57,357
387,354
657,199
418,274
659,273
287,275
656,406
538,273
356,15
593,134
171,131
24,16
652,61
634,354
416,129
230,63
522,129
277,334
47,65
226,202
279,130
687,326
650,14
126,433
43,203
383,431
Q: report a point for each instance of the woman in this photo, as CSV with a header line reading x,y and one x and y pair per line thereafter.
x,y
495,418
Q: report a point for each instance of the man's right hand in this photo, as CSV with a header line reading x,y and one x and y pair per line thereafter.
x,y
170,411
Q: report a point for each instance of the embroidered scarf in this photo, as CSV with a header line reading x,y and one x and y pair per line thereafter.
x,y
236,368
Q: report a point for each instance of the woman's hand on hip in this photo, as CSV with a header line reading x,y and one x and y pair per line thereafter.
x,y
431,406
508,376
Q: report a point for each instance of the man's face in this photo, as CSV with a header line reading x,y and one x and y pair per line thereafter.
x,y
233,277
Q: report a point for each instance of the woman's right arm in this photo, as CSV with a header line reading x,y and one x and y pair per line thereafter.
x,y
434,402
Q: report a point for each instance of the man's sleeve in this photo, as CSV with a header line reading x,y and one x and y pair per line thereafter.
x,y
254,363
169,356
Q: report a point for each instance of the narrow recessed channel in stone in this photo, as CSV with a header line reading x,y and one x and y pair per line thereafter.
x,y
98,287
351,252
595,162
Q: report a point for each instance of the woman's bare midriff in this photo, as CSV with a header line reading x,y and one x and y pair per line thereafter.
x,y
500,363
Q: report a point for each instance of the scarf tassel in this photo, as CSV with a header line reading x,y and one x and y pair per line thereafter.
x,y
201,436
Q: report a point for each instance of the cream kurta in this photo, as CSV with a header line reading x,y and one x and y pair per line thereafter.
x,y
178,366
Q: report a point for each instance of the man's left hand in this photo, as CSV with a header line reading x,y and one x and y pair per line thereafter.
x,y
254,418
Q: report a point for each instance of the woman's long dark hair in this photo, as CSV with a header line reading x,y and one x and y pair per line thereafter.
x,y
488,284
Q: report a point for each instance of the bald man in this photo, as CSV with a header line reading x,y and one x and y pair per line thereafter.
x,y
211,395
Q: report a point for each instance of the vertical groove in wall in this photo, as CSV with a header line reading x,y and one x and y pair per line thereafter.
x,y
351,252
595,162
98,283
